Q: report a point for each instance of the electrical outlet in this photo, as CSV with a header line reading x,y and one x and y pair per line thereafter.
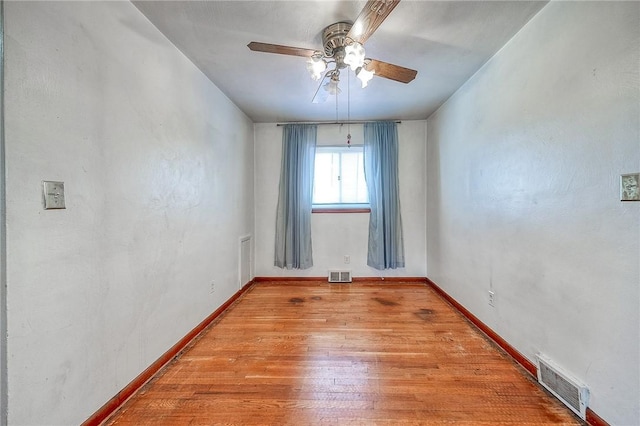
x,y
213,287
347,259
492,298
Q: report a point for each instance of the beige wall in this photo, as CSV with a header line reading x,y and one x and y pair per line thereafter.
x,y
158,171
524,163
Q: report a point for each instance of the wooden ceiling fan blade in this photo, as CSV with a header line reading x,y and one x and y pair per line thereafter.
x,y
282,50
370,18
391,71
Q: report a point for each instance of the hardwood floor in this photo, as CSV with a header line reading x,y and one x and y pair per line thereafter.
x,y
302,353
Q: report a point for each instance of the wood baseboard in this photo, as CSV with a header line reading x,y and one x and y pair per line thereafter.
x,y
592,418
279,279
421,280
121,397
595,420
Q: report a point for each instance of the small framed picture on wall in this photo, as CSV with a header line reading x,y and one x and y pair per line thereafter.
x,y
630,187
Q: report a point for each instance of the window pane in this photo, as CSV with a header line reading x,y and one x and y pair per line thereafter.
x,y
326,186
362,196
349,173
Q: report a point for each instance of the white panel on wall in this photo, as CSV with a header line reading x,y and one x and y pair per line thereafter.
x,y
245,260
336,235
524,164
158,172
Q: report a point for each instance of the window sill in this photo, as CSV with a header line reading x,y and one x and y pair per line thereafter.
x,y
341,210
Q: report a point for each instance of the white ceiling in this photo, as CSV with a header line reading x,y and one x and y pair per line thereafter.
x,y
445,41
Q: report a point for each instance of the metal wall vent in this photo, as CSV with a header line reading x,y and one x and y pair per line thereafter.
x,y
339,276
567,389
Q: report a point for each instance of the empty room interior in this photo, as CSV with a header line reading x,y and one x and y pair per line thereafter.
x,y
355,185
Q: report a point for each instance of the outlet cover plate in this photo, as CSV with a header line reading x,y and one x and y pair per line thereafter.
x,y
53,195
492,298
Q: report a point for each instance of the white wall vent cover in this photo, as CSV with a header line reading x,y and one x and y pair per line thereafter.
x,y
339,276
567,389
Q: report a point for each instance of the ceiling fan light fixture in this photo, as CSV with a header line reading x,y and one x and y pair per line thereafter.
x,y
364,76
316,66
332,85
354,55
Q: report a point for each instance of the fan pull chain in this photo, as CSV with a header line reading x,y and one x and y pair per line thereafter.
x,y
336,105
349,110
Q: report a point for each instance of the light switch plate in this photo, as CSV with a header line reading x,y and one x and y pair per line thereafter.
x,y
53,195
630,187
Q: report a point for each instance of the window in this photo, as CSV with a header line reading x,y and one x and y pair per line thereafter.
x,y
338,181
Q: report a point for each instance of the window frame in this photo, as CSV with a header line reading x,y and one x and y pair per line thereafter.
x,y
340,207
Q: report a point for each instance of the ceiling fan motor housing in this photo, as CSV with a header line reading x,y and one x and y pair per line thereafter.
x,y
334,38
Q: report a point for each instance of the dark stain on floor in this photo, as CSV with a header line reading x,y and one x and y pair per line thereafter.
x,y
425,314
296,300
385,302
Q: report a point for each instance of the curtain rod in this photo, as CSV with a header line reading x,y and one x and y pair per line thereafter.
x,y
334,122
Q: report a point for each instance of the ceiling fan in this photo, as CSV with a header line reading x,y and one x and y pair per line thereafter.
x,y
343,46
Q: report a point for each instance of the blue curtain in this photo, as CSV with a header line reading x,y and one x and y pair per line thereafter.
x,y
386,245
293,217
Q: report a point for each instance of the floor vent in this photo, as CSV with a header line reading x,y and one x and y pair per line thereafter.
x,y
567,389
339,276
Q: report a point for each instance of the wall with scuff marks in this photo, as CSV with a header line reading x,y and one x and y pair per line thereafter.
x,y
335,235
524,163
158,171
